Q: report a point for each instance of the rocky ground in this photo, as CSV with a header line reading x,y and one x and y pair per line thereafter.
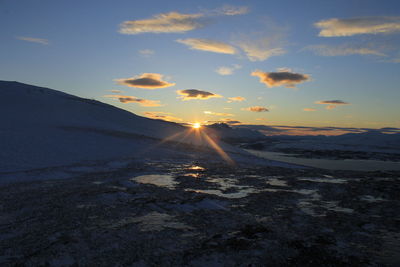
x,y
200,213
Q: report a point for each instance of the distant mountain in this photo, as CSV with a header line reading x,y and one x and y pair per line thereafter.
x,y
234,135
41,127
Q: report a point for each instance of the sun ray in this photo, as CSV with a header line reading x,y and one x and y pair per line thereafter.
x,y
218,149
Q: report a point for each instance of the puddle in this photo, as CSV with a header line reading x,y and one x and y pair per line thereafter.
x,y
195,168
162,180
241,194
312,204
312,192
194,175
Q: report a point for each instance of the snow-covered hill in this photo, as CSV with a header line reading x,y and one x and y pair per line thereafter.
x,y
229,134
371,141
41,127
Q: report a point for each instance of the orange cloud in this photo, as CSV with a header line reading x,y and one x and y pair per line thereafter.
x,y
190,94
208,45
133,99
146,81
163,23
256,109
217,114
159,115
236,99
354,26
281,78
309,109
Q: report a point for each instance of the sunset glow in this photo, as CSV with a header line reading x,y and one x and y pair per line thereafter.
x,y
196,125
250,62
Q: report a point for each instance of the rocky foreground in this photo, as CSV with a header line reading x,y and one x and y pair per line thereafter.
x,y
198,213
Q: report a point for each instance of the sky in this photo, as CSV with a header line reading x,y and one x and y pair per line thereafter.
x,y
295,63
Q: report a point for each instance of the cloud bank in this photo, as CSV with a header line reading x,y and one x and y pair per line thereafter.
x,y
226,120
133,99
353,26
281,78
146,81
190,94
172,22
208,45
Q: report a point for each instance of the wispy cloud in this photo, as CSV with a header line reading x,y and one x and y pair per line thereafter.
x,y
331,104
218,114
342,50
236,99
259,46
172,22
159,115
256,109
190,94
227,70
146,52
116,91
361,25
281,78
146,81
33,40
133,99
175,22
309,109
260,50
208,45
229,10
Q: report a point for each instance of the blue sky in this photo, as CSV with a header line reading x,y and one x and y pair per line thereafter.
x,y
324,63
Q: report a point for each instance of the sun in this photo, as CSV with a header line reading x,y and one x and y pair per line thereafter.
x,y
196,125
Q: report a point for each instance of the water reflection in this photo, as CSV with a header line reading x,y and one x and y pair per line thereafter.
x,y
162,180
241,194
196,168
